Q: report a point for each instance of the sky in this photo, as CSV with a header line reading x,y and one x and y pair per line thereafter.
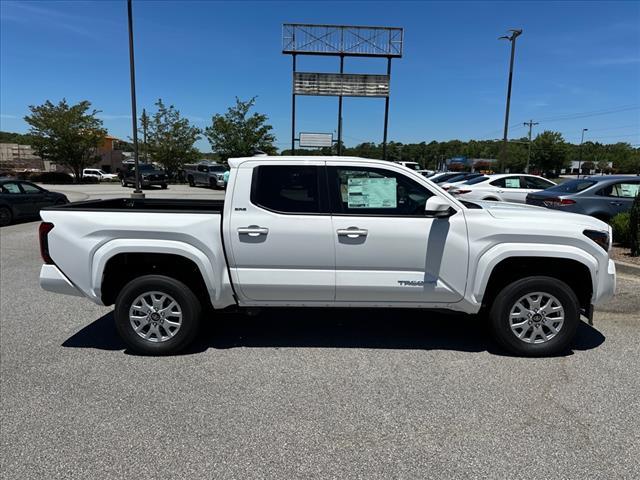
x,y
577,65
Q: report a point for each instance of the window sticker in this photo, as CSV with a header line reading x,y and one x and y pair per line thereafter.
x,y
365,192
512,182
628,190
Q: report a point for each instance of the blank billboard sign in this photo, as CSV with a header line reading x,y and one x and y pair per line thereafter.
x,y
340,84
316,139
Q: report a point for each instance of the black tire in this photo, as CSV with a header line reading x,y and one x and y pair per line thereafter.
x,y
191,182
500,311
213,184
184,297
163,186
6,216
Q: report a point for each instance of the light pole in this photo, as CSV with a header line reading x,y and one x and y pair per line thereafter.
x,y
515,33
137,193
580,153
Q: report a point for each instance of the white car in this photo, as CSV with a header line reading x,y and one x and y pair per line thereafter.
x,y
99,174
328,232
504,187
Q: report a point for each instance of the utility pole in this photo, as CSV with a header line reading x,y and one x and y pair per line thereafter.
x,y
530,123
145,124
580,153
512,38
137,193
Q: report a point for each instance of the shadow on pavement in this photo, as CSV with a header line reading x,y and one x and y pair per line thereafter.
x,y
332,328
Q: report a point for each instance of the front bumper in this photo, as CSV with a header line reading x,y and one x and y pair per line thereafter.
x,y
53,280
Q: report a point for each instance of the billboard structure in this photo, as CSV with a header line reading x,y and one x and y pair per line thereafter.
x,y
341,41
316,140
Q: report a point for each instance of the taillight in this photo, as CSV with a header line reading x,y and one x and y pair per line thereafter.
x,y
557,202
43,232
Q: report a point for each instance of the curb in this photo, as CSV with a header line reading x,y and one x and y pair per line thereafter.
x,y
627,268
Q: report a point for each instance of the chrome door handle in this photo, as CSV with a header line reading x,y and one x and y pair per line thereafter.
x,y
617,204
352,232
253,231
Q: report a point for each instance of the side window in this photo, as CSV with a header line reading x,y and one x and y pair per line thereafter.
x,y
507,182
533,182
11,187
203,168
287,189
621,190
28,188
375,191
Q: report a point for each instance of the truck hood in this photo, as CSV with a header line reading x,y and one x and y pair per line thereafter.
x,y
519,212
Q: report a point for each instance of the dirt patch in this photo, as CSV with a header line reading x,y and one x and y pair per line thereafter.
x,y
621,254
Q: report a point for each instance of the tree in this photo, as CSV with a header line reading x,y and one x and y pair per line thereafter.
x,y
236,134
549,151
171,138
68,135
145,123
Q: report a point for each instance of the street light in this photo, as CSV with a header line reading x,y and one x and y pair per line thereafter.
x,y
580,148
515,33
137,193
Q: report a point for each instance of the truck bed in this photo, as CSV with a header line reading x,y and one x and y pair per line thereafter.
x,y
144,205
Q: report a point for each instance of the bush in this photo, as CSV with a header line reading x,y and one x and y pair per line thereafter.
x,y
634,227
621,231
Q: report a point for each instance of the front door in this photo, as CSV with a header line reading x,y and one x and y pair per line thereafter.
x,y
280,233
512,189
620,196
387,250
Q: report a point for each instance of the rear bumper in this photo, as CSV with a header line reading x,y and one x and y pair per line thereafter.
x,y
53,280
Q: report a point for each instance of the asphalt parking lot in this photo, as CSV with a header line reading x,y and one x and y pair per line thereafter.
x,y
305,394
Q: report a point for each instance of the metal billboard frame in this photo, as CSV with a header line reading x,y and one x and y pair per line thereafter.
x,y
341,41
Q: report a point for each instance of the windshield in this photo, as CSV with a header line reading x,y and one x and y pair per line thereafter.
x,y
476,180
101,172
572,186
412,165
445,177
146,166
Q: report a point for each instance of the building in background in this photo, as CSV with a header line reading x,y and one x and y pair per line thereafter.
x,y
16,157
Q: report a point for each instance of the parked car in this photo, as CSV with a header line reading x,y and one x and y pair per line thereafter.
x,y
99,174
443,176
328,232
602,197
504,187
20,199
462,178
149,175
205,173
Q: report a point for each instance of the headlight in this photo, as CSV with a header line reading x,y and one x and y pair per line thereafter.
x,y
601,238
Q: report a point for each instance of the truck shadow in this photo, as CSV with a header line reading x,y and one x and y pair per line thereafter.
x,y
332,328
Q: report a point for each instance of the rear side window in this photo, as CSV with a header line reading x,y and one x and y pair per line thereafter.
x,y
475,181
287,189
11,187
535,182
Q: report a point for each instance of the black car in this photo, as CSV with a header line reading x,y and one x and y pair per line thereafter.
x,y
149,175
20,199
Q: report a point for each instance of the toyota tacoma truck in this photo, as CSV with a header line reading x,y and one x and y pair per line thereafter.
x,y
328,232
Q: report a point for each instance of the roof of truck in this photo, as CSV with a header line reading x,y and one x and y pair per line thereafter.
x,y
234,162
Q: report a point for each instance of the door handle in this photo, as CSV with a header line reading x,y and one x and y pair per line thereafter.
x,y
253,231
352,232
617,204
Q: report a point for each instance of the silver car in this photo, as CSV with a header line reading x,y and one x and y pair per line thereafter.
x,y
602,197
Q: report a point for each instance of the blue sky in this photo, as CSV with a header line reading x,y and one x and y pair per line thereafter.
x,y
577,65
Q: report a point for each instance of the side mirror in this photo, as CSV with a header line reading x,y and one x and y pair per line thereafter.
x,y
437,207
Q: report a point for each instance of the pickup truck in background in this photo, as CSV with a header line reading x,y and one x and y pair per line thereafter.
x,y
210,174
150,175
328,232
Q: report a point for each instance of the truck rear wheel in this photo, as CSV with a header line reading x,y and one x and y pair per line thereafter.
x,y
191,182
535,316
157,315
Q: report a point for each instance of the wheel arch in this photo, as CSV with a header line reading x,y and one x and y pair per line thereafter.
x,y
499,268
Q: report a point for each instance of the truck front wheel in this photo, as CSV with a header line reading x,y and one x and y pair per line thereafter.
x,y
157,315
535,316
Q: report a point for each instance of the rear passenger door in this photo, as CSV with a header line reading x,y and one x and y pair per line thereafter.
x,y
279,230
511,189
620,195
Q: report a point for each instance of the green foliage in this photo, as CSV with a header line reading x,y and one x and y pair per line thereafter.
x,y
620,226
66,134
549,151
236,134
634,227
19,138
170,138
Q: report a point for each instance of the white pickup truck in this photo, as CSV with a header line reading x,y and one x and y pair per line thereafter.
x,y
328,232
